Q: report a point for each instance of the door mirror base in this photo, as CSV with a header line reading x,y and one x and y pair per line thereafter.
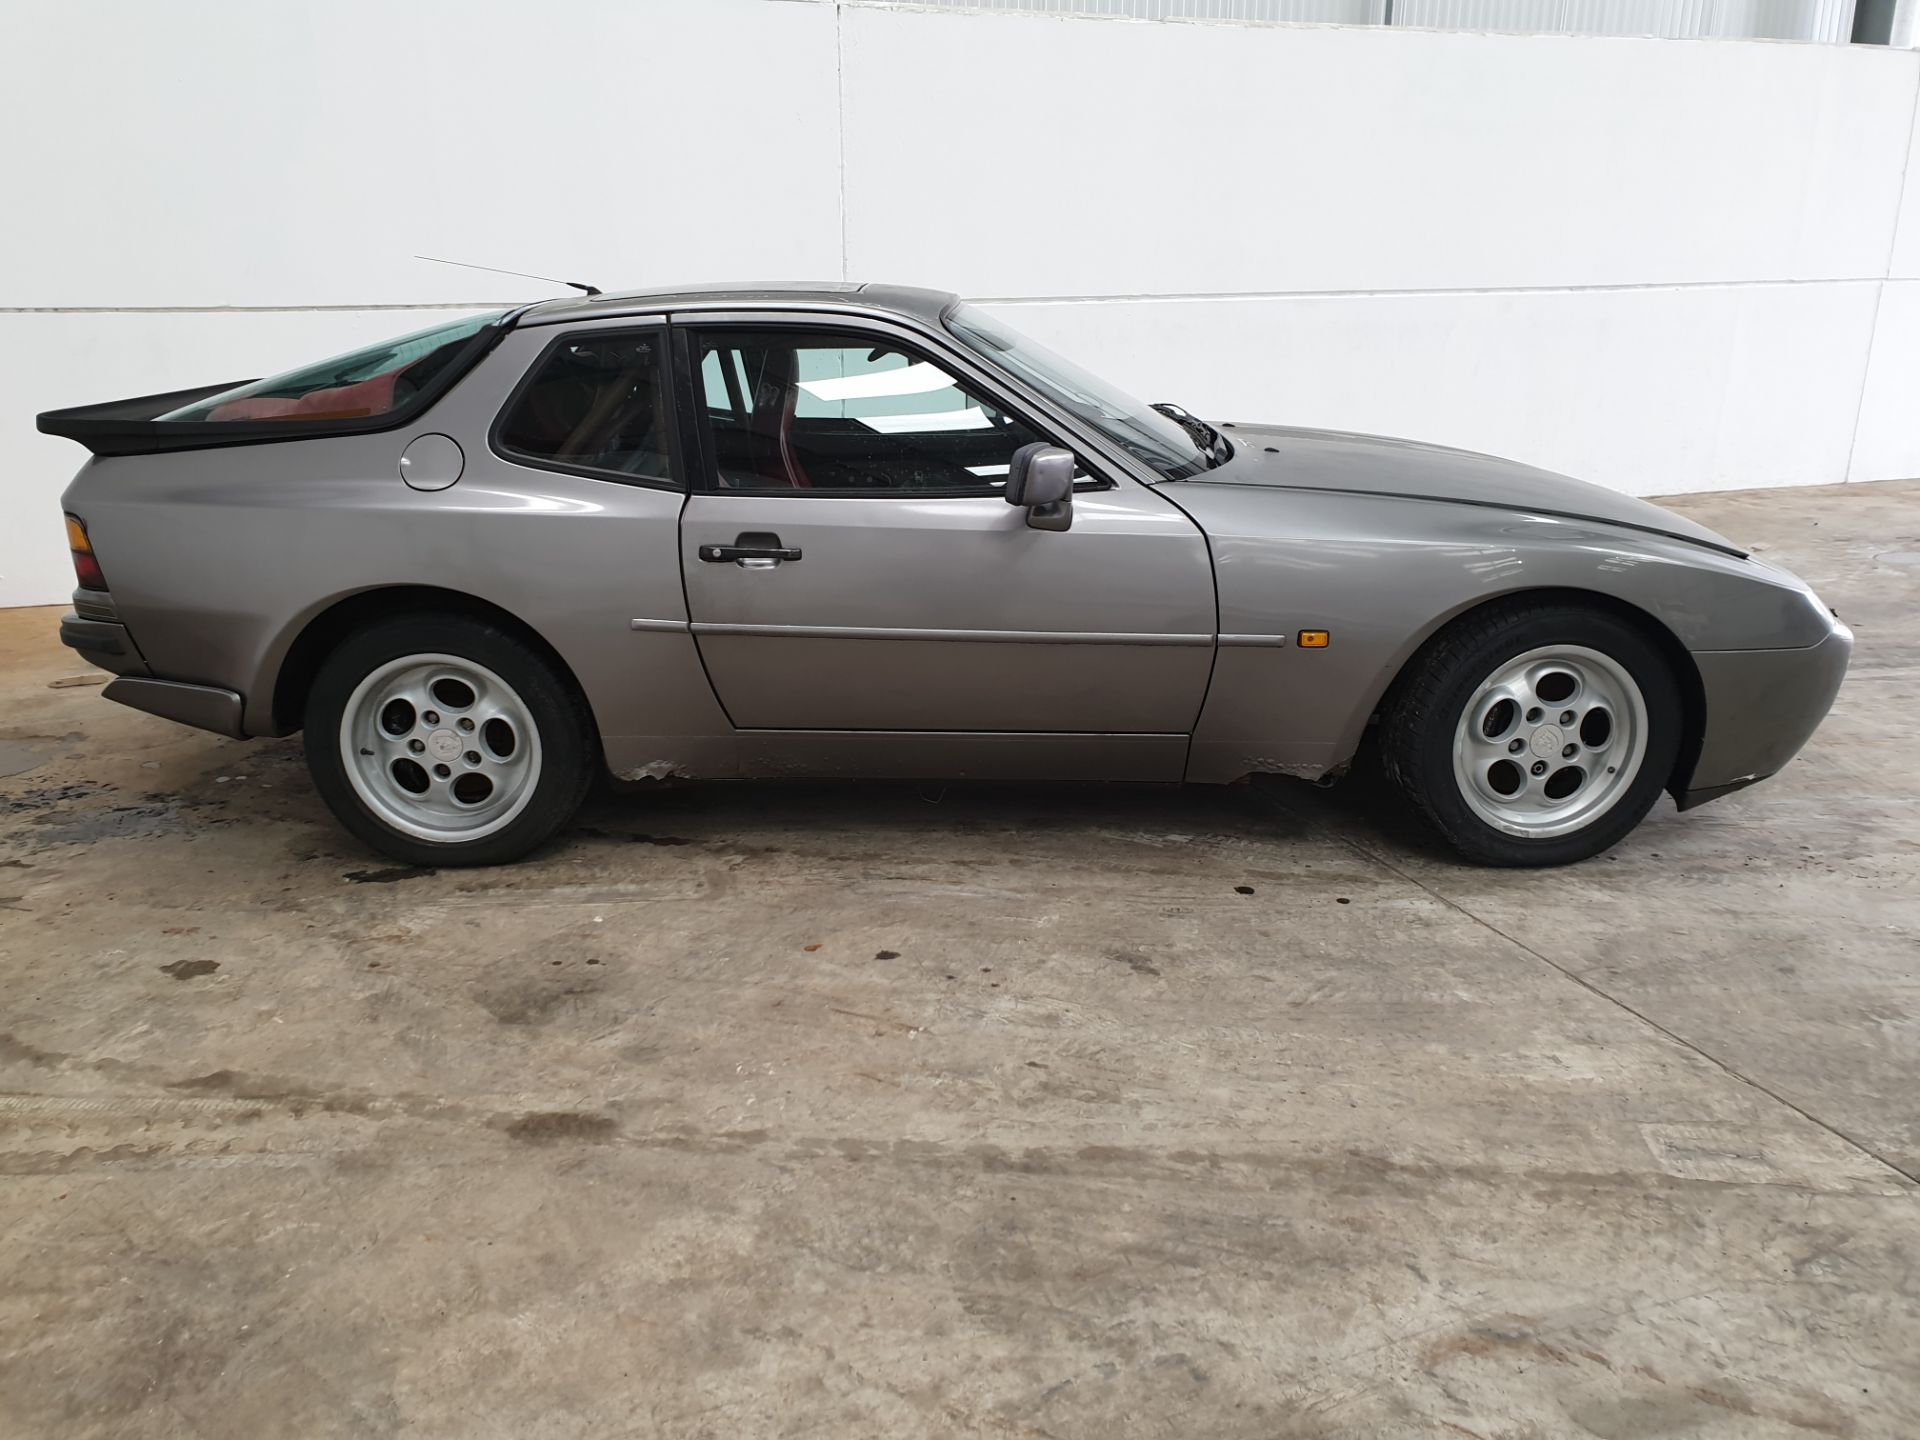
x,y
1056,515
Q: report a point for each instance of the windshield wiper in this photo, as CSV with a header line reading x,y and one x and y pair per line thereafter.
x,y
1210,441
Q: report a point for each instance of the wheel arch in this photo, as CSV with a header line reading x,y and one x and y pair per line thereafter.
x,y
1686,673
326,629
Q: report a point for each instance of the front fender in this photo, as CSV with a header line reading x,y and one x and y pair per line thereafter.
x,y
1382,574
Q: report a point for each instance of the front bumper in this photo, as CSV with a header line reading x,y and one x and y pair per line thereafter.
x,y
1762,706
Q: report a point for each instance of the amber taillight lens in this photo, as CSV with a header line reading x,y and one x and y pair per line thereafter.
x,y
86,565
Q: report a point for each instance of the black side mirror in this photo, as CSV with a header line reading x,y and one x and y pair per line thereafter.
x,y
1041,478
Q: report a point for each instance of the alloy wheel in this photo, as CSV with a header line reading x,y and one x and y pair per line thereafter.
x,y
440,748
1550,741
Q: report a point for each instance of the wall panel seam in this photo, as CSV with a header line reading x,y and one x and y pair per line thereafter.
x,y
1880,295
1240,295
840,121
1132,298
495,304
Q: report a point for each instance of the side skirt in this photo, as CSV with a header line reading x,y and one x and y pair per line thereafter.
x,y
952,755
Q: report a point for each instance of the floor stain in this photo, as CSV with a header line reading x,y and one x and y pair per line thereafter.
x,y
296,1097
390,875
547,1127
1738,1404
48,798
61,826
18,759
187,969
1134,961
594,832
14,1051
531,1001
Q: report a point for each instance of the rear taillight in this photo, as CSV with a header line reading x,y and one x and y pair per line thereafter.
x,y
86,565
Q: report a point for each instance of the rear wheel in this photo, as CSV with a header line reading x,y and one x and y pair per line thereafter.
x,y
441,740
1534,733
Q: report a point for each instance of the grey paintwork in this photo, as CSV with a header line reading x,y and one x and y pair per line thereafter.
x,y
1408,469
925,635
1383,574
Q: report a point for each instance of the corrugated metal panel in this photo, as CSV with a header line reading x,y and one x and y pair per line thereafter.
x,y
1335,12
1606,17
1828,21
1338,12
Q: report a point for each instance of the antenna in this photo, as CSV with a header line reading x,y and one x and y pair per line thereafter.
x,y
521,274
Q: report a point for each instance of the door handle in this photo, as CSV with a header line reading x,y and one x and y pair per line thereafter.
x,y
749,548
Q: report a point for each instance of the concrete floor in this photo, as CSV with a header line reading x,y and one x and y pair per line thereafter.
x,y
1004,1111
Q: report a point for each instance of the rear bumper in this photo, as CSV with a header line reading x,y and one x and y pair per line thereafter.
x,y
104,642
205,707
1762,706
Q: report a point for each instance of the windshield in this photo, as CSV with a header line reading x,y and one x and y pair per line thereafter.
x,y
1140,430
379,380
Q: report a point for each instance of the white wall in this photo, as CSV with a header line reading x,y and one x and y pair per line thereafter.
x,y
1662,265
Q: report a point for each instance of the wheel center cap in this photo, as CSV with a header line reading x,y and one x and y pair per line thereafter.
x,y
1547,741
445,745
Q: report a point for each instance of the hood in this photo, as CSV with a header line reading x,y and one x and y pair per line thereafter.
x,y
1286,458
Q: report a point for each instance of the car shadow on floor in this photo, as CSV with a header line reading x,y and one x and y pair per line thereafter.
x,y
1360,812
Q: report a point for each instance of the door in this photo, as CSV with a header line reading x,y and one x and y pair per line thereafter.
x,y
851,564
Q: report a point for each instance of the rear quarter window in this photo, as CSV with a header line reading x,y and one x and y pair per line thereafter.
x,y
595,402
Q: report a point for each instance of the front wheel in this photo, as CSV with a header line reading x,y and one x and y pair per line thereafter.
x,y
441,740
1534,733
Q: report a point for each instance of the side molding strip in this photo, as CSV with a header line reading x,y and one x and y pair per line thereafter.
x,y
1270,641
989,637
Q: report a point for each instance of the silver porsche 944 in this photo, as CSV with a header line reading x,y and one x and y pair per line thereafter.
x,y
861,530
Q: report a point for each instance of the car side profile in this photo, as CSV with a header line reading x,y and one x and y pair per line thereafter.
x,y
862,530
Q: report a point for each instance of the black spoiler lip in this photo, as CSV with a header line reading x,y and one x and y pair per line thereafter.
x,y
133,426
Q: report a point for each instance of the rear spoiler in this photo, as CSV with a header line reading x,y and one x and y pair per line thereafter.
x,y
132,427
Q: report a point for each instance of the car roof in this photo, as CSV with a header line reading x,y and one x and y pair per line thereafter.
x,y
926,306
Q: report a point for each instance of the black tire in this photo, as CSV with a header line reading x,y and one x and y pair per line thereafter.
x,y
1418,728
569,745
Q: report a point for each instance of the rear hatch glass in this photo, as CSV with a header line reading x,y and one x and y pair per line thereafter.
x,y
361,384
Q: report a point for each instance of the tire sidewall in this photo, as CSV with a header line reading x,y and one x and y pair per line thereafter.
x,y
567,747
1470,667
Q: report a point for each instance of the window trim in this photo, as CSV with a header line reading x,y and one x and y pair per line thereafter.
x,y
669,390
703,472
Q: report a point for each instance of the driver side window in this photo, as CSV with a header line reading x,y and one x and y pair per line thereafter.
x,y
805,410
